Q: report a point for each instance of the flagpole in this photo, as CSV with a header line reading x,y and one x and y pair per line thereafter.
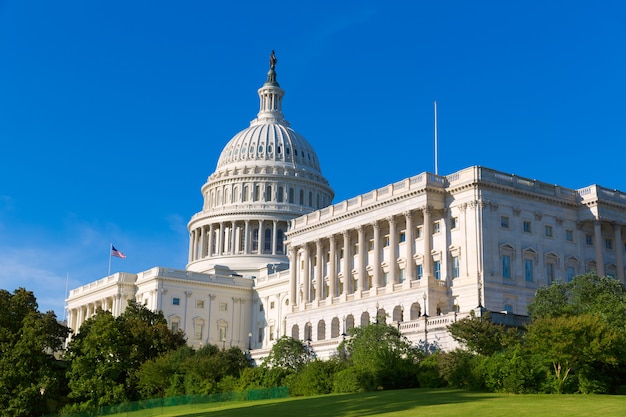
x,y
436,144
110,250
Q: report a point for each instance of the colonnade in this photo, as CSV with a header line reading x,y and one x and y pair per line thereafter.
x,y
600,246
384,253
238,237
78,315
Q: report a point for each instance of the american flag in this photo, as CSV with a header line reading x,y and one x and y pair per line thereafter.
x,y
116,253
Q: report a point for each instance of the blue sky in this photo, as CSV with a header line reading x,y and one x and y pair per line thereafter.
x,y
113,113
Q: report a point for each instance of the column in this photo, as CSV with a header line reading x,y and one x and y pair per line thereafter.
x,y
619,252
246,237
220,240
202,241
306,275
597,228
362,259
376,260
393,251
190,256
332,268
232,238
319,279
428,235
409,243
211,237
347,273
292,274
274,230
261,238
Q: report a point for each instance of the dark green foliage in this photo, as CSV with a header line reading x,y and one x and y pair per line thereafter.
x,y
382,357
106,355
479,335
461,369
31,378
316,378
514,371
289,354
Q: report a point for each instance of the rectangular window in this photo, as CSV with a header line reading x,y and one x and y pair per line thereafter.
x,y
569,235
260,333
418,232
436,228
174,327
528,270
386,240
420,271
402,237
223,307
570,273
222,334
550,273
371,244
506,266
272,332
504,222
548,229
199,303
402,275
589,239
386,277
261,307
608,243
176,301
454,223
271,305
197,328
455,267
508,308
437,266
527,226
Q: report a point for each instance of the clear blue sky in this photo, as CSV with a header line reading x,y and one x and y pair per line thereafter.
x,y
113,113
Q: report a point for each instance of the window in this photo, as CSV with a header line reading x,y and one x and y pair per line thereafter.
x,y
506,266
589,239
608,243
454,222
197,330
386,277
271,305
176,301
199,303
261,307
174,326
504,222
569,235
528,270
527,226
420,271
402,275
223,307
260,333
548,231
371,244
386,240
222,333
571,272
355,250
402,237
455,267
437,266
272,332
508,308
418,233
436,227
549,273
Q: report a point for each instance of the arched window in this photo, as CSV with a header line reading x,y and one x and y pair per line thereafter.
x,y
321,330
292,197
301,197
280,237
268,193
246,193
280,196
255,240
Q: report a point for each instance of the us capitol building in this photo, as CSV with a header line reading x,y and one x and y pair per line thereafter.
x,y
271,255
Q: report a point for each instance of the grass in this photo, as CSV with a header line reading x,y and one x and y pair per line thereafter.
x,y
408,403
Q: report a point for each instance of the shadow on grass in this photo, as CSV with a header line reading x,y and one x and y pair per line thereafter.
x,y
361,404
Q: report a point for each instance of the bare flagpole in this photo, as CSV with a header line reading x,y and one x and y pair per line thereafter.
x,y
110,251
436,143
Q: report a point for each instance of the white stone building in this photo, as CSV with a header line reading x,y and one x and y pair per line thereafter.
x,y
269,255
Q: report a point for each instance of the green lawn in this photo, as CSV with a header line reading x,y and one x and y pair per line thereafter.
x,y
409,403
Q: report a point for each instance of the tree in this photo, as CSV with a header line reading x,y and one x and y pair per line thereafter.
x,y
573,344
381,357
31,377
480,335
289,354
107,353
